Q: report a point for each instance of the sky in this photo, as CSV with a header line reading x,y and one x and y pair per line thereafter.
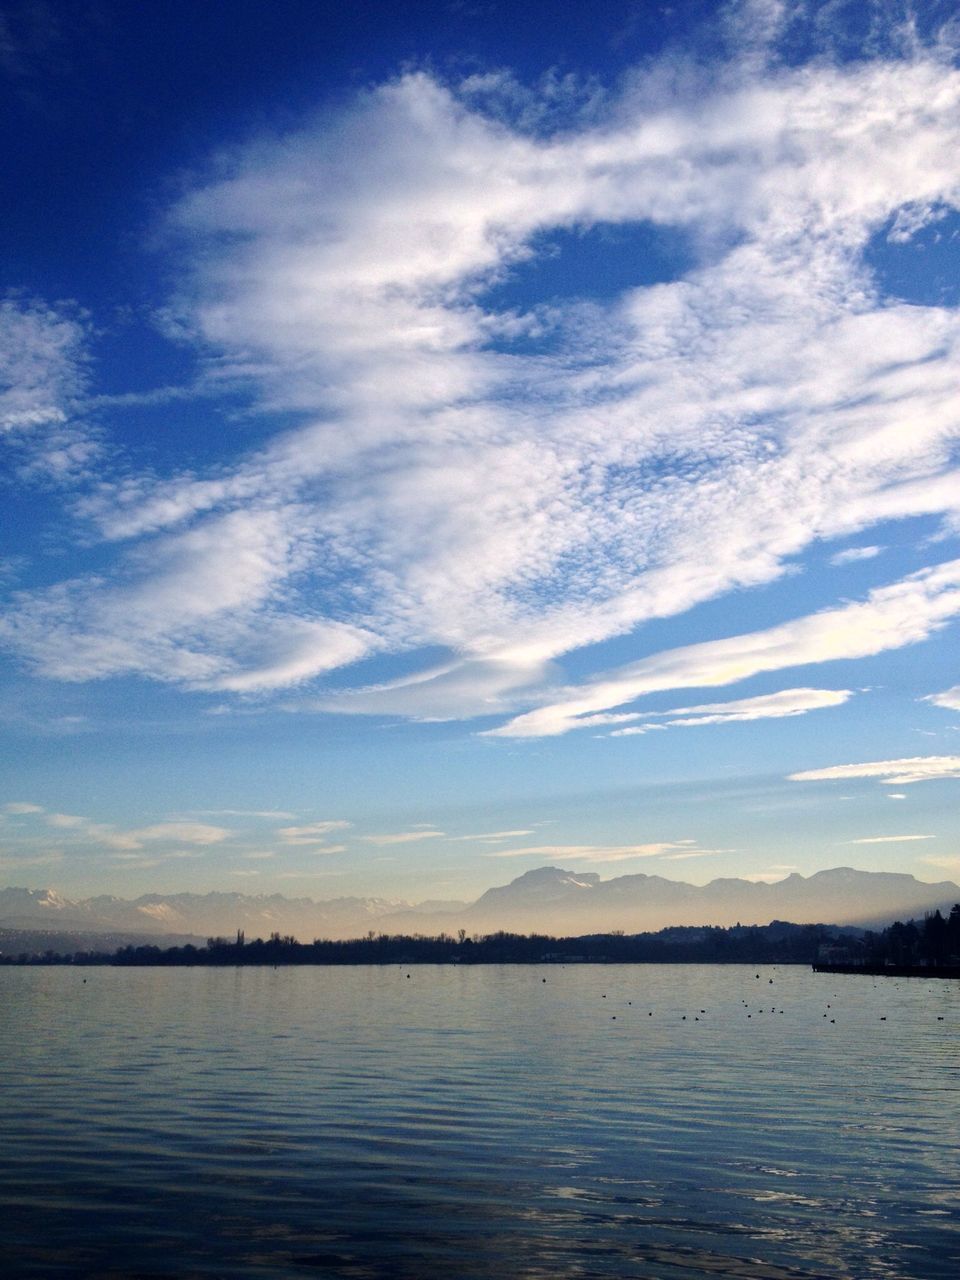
x,y
439,440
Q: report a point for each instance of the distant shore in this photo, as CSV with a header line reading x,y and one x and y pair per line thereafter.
x,y
928,949
893,970
776,943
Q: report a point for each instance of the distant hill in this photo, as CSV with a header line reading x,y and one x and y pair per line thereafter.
x,y
38,942
194,914
548,900
553,900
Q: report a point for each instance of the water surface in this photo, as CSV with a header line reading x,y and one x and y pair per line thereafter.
x,y
521,1121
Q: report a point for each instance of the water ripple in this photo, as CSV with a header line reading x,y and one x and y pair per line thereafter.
x,y
478,1123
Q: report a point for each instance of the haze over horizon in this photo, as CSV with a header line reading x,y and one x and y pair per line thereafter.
x,y
437,443
544,900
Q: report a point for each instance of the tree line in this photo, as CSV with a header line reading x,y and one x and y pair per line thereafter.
x,y
776,943
933,942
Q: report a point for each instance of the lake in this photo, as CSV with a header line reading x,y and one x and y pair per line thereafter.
x,y
538,1122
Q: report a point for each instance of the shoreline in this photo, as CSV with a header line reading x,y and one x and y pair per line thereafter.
x,y
892,970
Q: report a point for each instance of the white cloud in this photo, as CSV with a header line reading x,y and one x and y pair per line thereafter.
x,y
950,698
21,807
189,833
176,614
248,813
41,371
888,839
897,773
606,853
75,828
182,832
694,853
634,731
497,835
65,820
773,706
766,706
402,837
892,616
853,554
446,487
312,833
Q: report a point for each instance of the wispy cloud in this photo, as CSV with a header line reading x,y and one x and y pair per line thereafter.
x,y
403,837
142,399
950,698
313,833
21,807
893,616
75,827
897,773
278,814
766,706
175,833
497,835
888,839
668,849
341,272
42,367
182,832
65,820
854,554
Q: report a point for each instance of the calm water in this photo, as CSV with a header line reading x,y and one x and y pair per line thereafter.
x,y
478,1122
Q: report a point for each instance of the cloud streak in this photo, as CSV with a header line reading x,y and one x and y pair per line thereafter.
x,y
668,849
42,370
313,833
402,837
75,827
766,706
950,698
896,773
900,614
888,839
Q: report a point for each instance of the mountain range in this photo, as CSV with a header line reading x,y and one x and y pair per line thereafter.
x,y
547,900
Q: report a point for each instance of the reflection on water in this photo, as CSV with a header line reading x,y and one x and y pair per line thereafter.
x,y
613,1121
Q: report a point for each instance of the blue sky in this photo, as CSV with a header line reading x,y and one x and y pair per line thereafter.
x,y
440,440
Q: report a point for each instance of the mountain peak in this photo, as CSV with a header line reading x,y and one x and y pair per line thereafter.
x,y
557,875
